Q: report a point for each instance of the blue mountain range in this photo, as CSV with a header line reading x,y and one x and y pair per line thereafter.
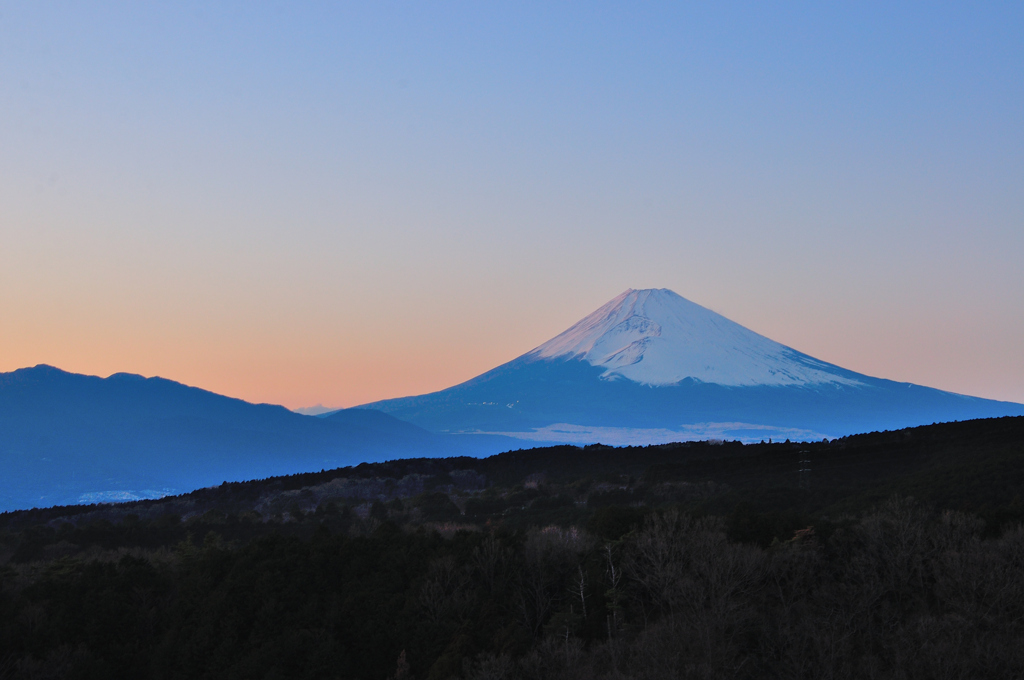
x,y
67,438
648,367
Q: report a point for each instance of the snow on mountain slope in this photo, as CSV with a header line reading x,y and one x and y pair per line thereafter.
x,y
650,367
656,337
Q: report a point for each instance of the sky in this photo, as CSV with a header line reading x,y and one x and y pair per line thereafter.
x,y
332,203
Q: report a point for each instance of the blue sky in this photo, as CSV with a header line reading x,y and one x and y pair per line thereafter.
x,y
314,202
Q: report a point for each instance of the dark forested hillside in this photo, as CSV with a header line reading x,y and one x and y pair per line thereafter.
x,y
896,554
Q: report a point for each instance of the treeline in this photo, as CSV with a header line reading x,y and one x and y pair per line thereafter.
x,y
903,592
886,555
974,466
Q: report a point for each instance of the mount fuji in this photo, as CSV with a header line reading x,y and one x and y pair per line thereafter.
x,y
650,367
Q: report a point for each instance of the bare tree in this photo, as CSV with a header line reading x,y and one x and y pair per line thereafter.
x,y
444,593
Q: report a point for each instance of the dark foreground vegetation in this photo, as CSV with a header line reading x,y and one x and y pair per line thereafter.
x,y
887,555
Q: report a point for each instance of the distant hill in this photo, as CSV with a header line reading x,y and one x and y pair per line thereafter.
x,y
652,367
68,438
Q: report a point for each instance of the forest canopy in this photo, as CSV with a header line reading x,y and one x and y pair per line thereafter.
x,y
897,554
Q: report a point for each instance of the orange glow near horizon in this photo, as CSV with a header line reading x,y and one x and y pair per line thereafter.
x,y
336,203
337,365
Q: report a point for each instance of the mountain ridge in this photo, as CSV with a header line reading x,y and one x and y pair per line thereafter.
x,y
67,438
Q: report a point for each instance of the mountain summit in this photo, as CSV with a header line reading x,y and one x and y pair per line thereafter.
x,y
650,366
656,337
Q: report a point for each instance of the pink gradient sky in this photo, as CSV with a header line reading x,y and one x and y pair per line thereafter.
x,y
305,205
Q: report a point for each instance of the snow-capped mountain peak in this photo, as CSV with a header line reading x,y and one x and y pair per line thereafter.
x,y
656,337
